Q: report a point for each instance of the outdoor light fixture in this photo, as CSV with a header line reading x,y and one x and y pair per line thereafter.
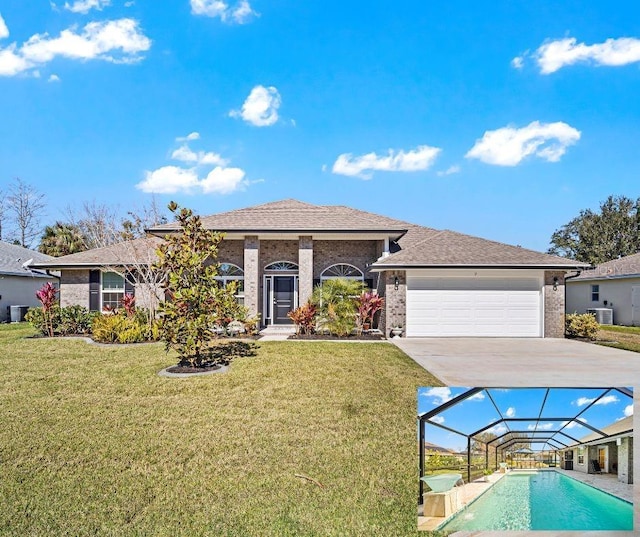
x,y
396,283
555,283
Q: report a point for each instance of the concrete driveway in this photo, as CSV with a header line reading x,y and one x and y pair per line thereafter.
x,y
522,362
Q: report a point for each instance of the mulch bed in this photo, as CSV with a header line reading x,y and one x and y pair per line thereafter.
x,y
319,337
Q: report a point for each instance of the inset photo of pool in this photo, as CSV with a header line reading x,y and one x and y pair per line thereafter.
x,y
520,459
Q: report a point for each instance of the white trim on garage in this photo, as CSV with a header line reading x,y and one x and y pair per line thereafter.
x,y
475,303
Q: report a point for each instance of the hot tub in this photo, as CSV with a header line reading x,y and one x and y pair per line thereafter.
x,y
441,482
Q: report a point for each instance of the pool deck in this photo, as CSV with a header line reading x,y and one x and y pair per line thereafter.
x,y
470,491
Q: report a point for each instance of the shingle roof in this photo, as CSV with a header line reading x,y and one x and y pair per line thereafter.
x,y
617,427
424,247
294,215
136,251
13,257
628,266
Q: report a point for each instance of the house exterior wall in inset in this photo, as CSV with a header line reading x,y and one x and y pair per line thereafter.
x,y
19,291
625,460
74,288
617,293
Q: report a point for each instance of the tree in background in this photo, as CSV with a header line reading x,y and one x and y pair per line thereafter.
x,y
597,237
24,205
3,210
61,239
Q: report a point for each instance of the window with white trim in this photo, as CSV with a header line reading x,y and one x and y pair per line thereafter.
x,y
281,266
342,270
595,293
580,455
228,272
112,290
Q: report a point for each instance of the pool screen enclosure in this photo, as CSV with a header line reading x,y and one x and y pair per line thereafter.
x,y
550,415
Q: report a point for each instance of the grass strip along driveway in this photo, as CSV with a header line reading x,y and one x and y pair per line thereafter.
x,y
620,337
94,442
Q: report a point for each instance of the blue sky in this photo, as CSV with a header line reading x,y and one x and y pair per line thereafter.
x,y
498,119
479,411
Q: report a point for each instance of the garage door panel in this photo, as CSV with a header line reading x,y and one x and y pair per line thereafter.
x,y
484,307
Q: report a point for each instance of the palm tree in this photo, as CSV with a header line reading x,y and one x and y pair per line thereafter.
x,y
61,239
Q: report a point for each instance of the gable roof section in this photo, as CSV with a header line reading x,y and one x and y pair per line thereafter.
x,y
12,259
428,248
625,267
137,251
623,427
294,216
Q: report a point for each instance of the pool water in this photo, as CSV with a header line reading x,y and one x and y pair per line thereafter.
x,y
543,501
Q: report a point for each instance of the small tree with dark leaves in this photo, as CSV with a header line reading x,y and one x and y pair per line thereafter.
x,y
47,295
196,302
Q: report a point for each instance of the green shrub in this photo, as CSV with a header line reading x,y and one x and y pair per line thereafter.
x,y
107,328
57,321
336,303
120,328
584,325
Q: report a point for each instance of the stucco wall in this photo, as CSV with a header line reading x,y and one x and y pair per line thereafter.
x,y
616,292
19,291
74,288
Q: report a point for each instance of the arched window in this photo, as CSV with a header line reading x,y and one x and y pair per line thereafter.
x,y
342,270
228,272
281,266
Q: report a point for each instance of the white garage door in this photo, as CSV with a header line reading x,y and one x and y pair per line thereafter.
x,y
473,307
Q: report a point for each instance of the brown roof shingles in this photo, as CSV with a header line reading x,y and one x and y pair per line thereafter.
x,y
625,266
136,251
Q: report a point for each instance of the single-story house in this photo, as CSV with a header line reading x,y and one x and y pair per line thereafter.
x,y
613,285
19,281
613,453
435,283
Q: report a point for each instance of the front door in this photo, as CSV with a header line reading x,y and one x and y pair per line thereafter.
x,y
283,298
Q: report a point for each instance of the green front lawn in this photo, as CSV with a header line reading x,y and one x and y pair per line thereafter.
x,y
620,337
94,442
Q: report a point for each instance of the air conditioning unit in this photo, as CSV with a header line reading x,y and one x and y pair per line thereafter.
x,y
602,315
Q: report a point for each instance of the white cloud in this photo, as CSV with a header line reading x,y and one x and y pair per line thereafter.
x,y
84,6
169,180
53,78
607,399
172,179
540,427
508,146
499,429
117,41
573,424
240,13
511,412
421,158
449,171
261,107
517,62
554,55
440,395
223,181
437,419
185,154
476,397
628,411
189,137
4,31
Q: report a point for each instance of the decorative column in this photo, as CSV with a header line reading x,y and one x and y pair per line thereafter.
x,y
554,304
252,274
305,269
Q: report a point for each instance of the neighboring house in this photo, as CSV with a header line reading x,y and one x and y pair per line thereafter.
x,y
435,283
614,453
18,280
614,284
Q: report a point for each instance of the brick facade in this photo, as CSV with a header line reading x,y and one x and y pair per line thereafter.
x,y
554,304
74,288
357,253
395,311
251,266
305,262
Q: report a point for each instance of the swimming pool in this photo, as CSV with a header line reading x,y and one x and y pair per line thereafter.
x,y
544,500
